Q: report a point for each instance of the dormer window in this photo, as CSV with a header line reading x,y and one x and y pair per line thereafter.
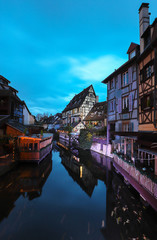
x,y
132,54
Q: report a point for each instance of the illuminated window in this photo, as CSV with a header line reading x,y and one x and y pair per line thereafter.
x,y
30,147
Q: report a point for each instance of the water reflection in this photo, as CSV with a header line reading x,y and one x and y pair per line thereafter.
x,y
82,198
79,172
27,180
125,212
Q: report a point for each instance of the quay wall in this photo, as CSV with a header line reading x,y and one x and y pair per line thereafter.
x,y
100,145
142,179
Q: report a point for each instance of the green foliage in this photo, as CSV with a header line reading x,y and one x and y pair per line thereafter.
x,y
68,128
98,132
25,131
85,139
41,133
102,132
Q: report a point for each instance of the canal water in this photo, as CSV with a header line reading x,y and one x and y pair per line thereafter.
x,y
72,196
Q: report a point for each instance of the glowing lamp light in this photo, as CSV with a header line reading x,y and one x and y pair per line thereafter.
x,y
81,171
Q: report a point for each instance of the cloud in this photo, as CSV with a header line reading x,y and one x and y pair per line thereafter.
x,y
50,99
94,70
69,97
45,104
36,110
47,99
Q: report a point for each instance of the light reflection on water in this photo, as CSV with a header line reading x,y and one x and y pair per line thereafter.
x,y
67,198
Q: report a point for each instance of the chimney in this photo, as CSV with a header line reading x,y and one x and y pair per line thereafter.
x,y
144,22
97,99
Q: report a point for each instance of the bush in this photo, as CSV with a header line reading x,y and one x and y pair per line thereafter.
x,y
98,132
85,139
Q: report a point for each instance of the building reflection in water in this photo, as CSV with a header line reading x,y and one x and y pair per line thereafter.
x,y
26,180
126,216
79,172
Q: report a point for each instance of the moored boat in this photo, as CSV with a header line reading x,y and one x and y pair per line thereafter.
x,y
34,148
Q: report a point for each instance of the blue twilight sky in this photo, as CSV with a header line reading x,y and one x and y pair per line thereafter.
x,y
51,50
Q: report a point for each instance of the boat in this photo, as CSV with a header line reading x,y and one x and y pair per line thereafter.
x,y
34,148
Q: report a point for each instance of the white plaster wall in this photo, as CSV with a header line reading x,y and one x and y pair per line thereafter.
x,y
106,149
31,119
26,116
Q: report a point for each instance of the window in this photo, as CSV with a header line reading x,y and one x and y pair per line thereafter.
x,y
125,78
146,102
132,54
147,71
125,127
111,106
125,104
30,147
35,146
111,84
146,41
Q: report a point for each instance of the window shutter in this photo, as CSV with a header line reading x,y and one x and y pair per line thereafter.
x,y
114,105
152,68
108,109
119,105
130,102
120,127
119,81
114,83
108,84
134,75
130,74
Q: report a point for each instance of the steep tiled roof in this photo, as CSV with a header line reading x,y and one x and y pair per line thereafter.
x,y
3,119
4,79
125,65
16,125
98,112
78,99
9,93
75,124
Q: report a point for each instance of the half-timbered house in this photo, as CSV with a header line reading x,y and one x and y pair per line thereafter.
x,y
122,96
10,103
79,106
97,117
147,88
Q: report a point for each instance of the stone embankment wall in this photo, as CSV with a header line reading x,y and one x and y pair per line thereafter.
x,y
142,179
100,145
